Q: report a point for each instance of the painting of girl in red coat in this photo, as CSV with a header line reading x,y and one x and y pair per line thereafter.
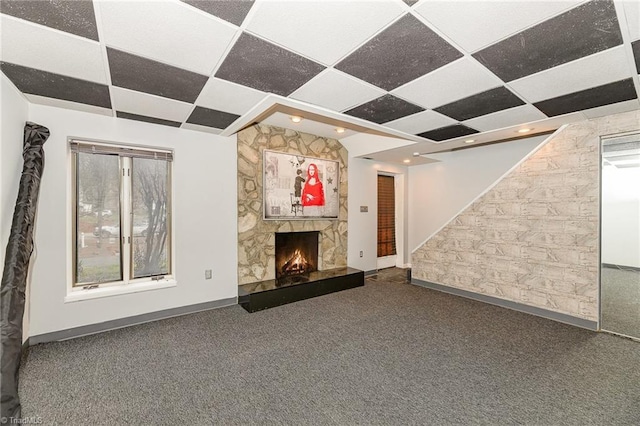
x,y
313,192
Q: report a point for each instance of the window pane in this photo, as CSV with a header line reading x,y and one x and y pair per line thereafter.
x,y
98,219
150,233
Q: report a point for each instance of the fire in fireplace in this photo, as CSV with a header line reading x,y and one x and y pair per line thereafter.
x,y
296,253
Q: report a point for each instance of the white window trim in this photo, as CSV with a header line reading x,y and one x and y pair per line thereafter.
x,y
79,294
116,288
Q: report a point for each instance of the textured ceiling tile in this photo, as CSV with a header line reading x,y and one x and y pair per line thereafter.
x,y
264,66
144,75
125,100
75,17
617,108
322,30
384,109
146,119
171,33
223,95
211,118
483,103
506,118
632,13
449,83
420,122
42,83
73,106
402,52
337,91
474,24
582,31
35,46
410,2
636,53
607,94
594,70
449,132
233,11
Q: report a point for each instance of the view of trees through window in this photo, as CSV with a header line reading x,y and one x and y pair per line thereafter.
x,y
117,241
98,219
150,199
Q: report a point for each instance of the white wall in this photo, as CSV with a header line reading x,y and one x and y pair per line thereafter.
x,y
363,191
621,216
14,111
205,220
439,191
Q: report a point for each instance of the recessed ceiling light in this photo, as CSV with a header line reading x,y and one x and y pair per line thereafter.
x,y
340,129
296,118
407,161
525,130
470,141
416,154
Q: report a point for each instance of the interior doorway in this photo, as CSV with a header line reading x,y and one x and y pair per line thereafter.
x,y
387,250
620,236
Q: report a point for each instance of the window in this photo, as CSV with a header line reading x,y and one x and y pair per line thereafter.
x,y
386,216
122,214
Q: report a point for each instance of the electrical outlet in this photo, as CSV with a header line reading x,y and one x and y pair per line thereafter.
x,y
207,274
361,253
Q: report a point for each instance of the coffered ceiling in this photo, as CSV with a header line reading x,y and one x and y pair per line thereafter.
x,y
432,72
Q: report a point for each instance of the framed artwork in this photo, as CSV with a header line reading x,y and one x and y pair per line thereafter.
x,y
300,187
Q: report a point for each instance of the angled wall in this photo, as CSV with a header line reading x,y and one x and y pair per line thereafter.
x,y
532,239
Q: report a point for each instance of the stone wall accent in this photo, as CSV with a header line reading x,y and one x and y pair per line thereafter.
x,y
534,237
256,237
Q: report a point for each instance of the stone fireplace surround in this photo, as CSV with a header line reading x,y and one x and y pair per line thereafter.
x,y
256,236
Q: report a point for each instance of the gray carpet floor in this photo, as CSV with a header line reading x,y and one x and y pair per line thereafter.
x,y
388,353
621,301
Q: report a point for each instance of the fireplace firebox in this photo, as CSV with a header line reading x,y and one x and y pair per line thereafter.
x,y
296,253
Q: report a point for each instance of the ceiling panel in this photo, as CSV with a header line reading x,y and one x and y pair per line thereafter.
x,y
479,104
324,31
593,28
631,11
616,108
43,83
404,51
233,11
74,106
211,118
146,119
506,118
130,101
264,66
475,24
337,91
611,93
595,70
421,122
227,96
75,17
385,108
636,54
144,75
170,32
448,132
35,46
457,80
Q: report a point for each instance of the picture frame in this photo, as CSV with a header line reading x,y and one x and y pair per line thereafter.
x,y
299,187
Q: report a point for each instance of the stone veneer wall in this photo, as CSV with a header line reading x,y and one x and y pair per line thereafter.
x,y
534,237
256,237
